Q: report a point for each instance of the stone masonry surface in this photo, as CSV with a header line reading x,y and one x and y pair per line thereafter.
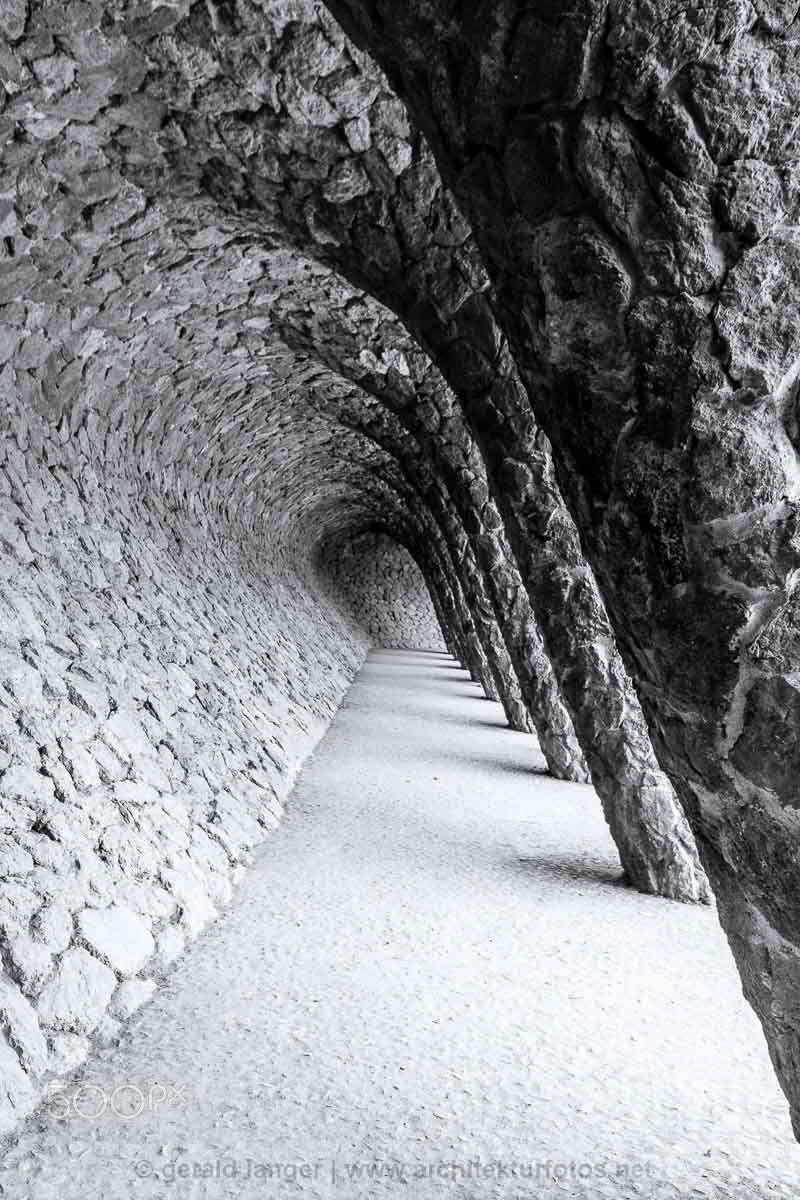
x,y
385,591
162,680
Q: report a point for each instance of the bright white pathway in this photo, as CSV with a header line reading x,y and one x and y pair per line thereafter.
x,y
430,970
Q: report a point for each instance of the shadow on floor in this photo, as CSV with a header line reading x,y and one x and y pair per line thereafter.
x,y
491,766
423,676
458,719
571,869
401,658
500,723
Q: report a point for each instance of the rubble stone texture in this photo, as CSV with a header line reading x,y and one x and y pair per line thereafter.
x,y
631,182
386,220
384,590
160,687
523,305
439,434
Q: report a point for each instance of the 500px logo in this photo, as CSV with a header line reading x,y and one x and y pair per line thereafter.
x,y
127,1101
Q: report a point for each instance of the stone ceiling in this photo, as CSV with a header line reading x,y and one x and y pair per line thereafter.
x,y
185,195
230,268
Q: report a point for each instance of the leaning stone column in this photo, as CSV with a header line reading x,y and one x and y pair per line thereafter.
x,y
637,212
451,635
473,656
445,548
468,570
451,450
382,218
448,636
497,676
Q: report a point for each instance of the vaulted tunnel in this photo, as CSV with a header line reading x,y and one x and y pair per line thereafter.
x,y
386,325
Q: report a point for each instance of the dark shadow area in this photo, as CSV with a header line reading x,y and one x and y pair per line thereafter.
x,y
384,681
434,664
455,719
474,722
403,654
480,723
490,766
572,870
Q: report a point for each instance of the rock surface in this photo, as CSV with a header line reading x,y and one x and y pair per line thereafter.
x,y
385,591
243,317
631,184
118,936
148,734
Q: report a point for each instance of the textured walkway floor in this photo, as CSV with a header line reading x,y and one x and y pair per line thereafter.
x,y
431,970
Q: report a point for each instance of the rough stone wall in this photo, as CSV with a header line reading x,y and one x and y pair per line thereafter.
x,y
173,140
162,680
381,585
373,206
631,182
168,173
168,658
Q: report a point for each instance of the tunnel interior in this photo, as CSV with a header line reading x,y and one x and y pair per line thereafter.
x,y
325,328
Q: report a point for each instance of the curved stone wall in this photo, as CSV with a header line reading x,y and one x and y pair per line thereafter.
x,y
243,320
163,678
174,173
378,582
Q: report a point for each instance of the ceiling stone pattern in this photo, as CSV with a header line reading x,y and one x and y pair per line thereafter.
x,y
186,138
232,274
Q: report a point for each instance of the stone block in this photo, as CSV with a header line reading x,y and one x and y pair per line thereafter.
x,y
18,1096
81,766
20,1027
124,733
89,696
77,996
119,936
21,782
67,1052
30,963
53,926
15,860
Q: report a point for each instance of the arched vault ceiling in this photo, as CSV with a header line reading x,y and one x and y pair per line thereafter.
x,y
181,187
